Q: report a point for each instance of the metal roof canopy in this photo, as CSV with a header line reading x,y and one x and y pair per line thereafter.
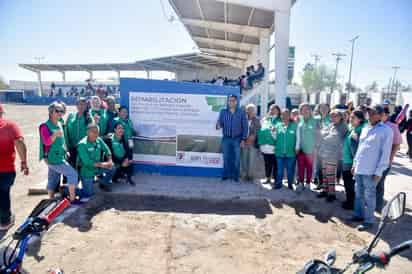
x,y
223,28
170,63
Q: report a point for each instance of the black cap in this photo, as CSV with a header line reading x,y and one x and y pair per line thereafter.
x,y
379,109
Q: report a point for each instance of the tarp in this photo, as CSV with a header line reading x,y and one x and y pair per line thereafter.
x,y
175,125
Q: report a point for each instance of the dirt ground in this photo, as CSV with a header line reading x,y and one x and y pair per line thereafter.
x,y
120,233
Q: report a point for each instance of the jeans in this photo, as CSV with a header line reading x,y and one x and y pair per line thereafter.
x,y
305,163
105,180
380,191
231,158
248,156
288,163
6,181
55,171
365,201
270,165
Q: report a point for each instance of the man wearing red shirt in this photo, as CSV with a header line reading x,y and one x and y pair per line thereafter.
x,y
11,139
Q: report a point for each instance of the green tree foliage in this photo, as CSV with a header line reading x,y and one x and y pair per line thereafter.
x,y
315,79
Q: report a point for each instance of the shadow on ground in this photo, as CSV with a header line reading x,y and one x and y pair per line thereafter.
x,y
319,209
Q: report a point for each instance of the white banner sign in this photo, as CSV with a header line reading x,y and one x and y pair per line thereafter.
x,y
176,129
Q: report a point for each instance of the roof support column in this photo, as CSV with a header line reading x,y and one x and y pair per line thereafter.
x,y
40,83
147,74
63,75
282,26
264,45
90,75
118,76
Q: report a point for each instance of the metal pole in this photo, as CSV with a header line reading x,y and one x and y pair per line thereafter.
x,y
395,70
338,58
350,67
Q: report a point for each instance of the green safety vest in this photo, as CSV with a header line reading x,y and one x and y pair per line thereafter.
x,y
264,135
57,151
76,129
308,130
90,153
127,125
346,150
117,147
103,120
285,145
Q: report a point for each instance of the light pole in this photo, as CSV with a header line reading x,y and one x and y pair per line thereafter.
x,y
395,70
316,58
350,67
338,58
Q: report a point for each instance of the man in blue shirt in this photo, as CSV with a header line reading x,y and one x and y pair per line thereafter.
x,y
234,124
371,160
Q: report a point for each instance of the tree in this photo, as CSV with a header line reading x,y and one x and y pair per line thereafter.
x,y
3,84
315,79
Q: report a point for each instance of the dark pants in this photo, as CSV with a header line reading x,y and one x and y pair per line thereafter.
x,y
380,191
409,139
349,183
123,171
6,181
270,165
231,158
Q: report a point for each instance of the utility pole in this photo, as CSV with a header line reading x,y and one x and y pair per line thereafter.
x,y
350,67
338,59
395,70
316,58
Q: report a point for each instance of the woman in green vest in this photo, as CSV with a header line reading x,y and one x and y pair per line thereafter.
x,y
76,128
53,152
285,149
122,154
94,158
123,118
99,115
308,137
350,146
266,141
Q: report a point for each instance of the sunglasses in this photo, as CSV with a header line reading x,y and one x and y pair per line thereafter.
x,y
59,111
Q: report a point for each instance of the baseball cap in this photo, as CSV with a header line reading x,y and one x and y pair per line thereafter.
x,y
379,109
386,102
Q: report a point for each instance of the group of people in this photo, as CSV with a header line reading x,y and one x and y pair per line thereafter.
x,y
92,144
357,145
85,91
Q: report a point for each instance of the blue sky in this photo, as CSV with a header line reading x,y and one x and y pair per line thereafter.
x,y
97,31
